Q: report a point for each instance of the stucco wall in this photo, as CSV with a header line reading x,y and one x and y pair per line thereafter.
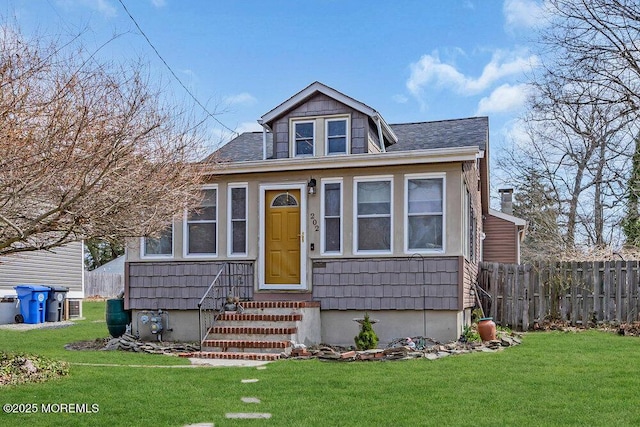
x,y
339,328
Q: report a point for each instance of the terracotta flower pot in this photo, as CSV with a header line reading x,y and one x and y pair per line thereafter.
x,y
487,329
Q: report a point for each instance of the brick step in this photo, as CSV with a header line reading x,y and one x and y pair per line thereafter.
x,y
257,346
232,356
259,317
279,304
251,337
252,330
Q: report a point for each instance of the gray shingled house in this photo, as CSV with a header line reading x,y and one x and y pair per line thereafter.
x,y
330,212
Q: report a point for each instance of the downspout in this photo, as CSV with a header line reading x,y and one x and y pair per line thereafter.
x,y
380,135
264,140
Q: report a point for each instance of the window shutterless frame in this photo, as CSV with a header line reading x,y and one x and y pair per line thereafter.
x,y
337,136
331,217
202,222
373,215
303,138
425,213
159,242
237,199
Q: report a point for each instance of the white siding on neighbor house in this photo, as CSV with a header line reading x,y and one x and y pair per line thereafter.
x,y
63,266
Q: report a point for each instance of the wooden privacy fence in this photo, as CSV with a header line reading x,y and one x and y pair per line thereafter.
x,y
581,293
103,284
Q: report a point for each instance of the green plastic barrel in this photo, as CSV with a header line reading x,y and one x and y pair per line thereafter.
x,y
117,317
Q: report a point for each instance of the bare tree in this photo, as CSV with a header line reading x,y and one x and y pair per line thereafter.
x,y
582,118
597,43
87,148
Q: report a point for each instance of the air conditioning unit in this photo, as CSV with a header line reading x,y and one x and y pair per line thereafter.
x,y
73,309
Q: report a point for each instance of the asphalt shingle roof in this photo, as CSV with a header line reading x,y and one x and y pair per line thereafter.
x,y
467,132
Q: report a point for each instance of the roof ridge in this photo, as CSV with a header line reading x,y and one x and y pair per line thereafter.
x,y
440,121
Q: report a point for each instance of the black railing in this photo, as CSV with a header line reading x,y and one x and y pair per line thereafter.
x,y
234,279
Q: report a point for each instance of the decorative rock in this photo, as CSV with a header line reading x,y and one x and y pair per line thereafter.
x,y
348,355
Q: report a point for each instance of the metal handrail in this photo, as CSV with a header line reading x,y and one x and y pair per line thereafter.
x,y
233,278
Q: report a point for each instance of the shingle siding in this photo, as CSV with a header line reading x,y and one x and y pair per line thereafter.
x,y
387,284
169,285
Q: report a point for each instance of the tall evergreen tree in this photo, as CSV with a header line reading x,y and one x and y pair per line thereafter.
x,y
631,223
535,203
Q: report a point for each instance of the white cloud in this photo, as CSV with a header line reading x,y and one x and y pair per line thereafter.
x,y
159,3
505,98
400,99
104,7
248,127
430,70
243,98
520,14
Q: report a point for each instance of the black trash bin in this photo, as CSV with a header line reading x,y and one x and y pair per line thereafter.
x,y
55,303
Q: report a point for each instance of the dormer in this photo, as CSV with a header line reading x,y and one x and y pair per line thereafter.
x,y
319,121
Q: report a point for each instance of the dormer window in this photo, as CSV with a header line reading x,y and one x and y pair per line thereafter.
x,y
304,137
337,138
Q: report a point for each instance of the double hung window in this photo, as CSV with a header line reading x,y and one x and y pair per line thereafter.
x,y
332,216
424,206
201,226
373,209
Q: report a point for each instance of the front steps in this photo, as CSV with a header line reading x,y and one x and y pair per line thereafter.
x,y
264,331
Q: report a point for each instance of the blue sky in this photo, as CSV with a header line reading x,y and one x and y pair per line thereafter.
x,y
411,60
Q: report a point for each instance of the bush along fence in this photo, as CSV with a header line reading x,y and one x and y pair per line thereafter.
x,y
581,293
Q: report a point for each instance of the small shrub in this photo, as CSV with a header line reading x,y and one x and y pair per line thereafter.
x,y
367,338
469,334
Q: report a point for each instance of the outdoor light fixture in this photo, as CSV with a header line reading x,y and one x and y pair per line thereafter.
x,y
312,186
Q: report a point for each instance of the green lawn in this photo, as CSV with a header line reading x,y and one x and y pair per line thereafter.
x,y
583,379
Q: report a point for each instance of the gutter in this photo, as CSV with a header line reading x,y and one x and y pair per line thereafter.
x,y
441,155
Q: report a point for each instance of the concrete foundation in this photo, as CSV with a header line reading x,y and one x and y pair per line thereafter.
x,y
339,328
334,327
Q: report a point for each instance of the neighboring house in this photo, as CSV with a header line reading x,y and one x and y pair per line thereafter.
x,y
335,209
61,267
504,232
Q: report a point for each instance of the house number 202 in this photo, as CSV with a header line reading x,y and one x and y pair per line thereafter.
x,y
314,222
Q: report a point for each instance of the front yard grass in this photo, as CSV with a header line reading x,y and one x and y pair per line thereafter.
x,y
586,378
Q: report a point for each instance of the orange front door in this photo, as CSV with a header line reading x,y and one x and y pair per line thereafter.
x,y
282,237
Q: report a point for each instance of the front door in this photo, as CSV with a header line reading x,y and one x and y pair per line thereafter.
x,y
283,239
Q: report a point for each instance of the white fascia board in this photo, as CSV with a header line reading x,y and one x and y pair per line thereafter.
x,y
514,219
310,90
441,155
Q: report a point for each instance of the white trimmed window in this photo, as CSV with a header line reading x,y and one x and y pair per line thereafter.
x,y
237,219
424,207
303,138
337,135
201,226
373,207
158,247
331,213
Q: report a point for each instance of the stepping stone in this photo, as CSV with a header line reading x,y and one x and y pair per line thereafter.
x,y
248,415
251,380
261,368
200,425
250,400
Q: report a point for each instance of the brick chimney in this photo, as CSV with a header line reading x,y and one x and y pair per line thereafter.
x,y
506,200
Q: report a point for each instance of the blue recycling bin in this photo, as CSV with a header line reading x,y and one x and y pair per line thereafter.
x,y
33,300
